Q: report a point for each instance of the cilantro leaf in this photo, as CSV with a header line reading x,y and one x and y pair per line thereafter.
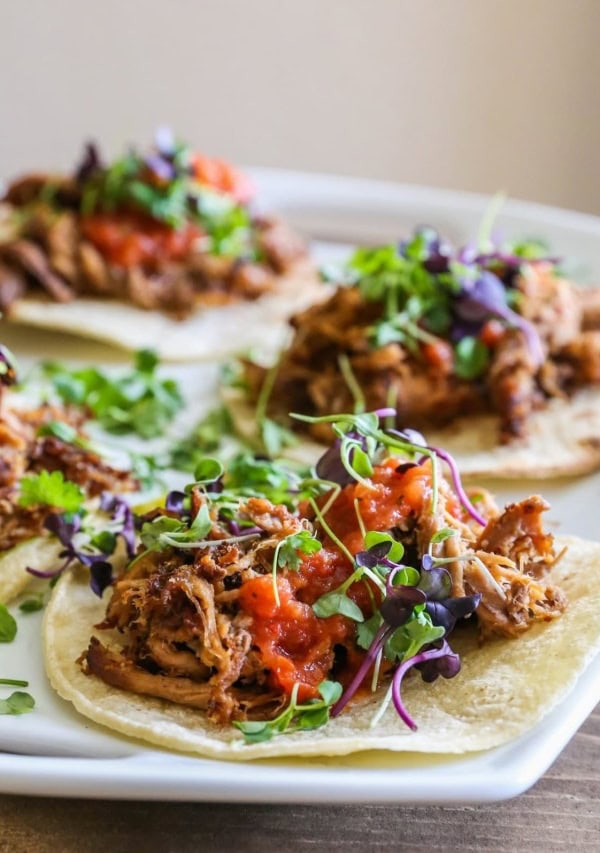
x,y
275,437
290,548
8,625
32,604
52,489
471,358
206,437
17,703
138,401
59,429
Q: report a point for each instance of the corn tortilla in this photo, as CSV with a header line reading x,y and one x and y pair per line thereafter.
x,y
39,553
504,688
209,334
563,440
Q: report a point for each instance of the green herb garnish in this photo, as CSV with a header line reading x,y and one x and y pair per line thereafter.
x,y
296,717
287,553
32,604
135,402
8,625
17,703
206,437
51,489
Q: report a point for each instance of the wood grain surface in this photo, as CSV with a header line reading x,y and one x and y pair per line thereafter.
x,y
561,812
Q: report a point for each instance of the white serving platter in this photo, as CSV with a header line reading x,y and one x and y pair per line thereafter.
x,y
54,751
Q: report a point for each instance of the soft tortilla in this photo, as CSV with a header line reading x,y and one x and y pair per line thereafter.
x,y
503,689
40,553
563,439
210,334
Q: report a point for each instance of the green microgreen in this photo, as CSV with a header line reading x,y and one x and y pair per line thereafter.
x,y
296,717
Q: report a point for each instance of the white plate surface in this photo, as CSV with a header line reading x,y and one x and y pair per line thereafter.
x,y
54,751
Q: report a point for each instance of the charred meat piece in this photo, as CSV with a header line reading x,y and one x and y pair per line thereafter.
x,y
79,465
518,534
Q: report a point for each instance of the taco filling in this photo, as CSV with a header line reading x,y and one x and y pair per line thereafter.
x,y
271,599
440,334
48,472
168,229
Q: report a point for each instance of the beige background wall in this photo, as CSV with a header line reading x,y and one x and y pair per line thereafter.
x,y
474,94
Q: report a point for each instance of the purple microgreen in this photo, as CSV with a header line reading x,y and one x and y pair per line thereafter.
x,y
159,167
397,606
174,502
375,540
446,613
121,516
436,583
90,164
422,657
8,367
458,486
101,576
164,141
90,547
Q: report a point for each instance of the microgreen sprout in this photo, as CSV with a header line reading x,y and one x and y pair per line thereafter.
x,y
311,714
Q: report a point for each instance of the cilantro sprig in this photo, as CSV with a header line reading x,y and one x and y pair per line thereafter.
x,y
296,717
288,551
50,489
135,402
162,185
17,703
8,625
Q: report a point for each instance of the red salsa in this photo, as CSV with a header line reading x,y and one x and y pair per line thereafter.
x,y
297,646
132,239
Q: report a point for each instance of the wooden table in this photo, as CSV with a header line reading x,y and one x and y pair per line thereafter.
x,y
562,812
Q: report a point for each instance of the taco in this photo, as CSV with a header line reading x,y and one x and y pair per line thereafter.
x,y
50,479
491,352
157,250
273,612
